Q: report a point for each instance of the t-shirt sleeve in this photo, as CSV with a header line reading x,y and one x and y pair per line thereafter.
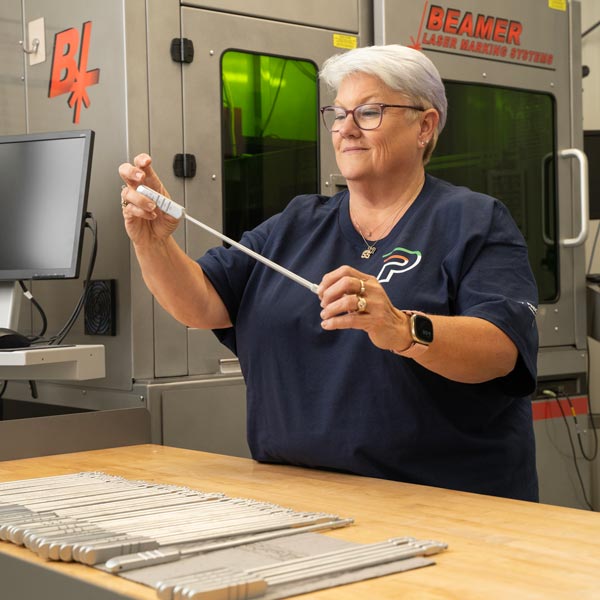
x,y
229,269
497,285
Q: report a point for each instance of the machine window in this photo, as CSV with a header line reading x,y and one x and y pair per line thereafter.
x,y
269,134
510,157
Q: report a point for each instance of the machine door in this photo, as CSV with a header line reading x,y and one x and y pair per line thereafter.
x,y
512,110
251,98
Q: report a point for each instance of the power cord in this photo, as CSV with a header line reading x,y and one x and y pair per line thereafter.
x,y
552,394
39,308
60,336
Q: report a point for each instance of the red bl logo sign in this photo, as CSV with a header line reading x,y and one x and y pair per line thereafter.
x,y
69,73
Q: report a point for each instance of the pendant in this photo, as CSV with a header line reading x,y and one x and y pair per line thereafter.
x,y
368,252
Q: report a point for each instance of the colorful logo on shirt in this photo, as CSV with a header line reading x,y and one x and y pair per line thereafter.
x,y
399,260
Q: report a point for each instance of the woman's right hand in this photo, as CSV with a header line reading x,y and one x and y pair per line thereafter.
x,y
144,223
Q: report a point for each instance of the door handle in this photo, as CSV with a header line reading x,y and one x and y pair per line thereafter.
x,y
583,196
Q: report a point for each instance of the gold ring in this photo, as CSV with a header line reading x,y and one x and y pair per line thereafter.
x,y
124,203
361,305
362,287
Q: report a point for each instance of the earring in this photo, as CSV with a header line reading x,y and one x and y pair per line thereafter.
x,y
422,142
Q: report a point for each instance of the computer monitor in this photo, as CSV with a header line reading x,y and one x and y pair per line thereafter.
x,y
591,147
44,183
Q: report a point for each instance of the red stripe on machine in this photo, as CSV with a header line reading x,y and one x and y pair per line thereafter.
x,y
549,409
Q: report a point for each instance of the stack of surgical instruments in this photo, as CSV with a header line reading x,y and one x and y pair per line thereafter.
x,y
93,517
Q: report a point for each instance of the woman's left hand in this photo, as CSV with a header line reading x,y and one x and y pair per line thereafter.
x,y
353,300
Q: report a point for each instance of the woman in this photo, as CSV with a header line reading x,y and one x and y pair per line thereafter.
x,y
360,383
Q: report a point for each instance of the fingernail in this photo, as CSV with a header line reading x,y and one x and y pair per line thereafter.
x,y
138,175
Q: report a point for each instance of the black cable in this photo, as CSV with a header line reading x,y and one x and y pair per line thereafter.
x,y
2,390
274,103
590,29
578,432
590,417
554,395
60,336
30,297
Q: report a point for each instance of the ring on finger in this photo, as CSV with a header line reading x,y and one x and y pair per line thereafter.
x,y
361,304
362,287
124,202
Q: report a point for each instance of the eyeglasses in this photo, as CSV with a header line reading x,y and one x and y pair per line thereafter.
x,y
366,116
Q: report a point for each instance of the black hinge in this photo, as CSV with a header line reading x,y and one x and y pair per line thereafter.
x,y
182,50
184,165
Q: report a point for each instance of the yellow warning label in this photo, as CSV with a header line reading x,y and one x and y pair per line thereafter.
x,y
347,42
557,4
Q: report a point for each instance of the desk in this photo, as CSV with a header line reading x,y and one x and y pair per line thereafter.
x,y
73,363
498,548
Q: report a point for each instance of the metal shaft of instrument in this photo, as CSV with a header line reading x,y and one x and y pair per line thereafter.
x,y
368,559
287,273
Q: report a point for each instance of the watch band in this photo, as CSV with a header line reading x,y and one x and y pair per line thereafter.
x,y
416,348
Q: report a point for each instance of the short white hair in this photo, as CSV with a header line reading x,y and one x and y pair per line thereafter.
x,y
401,68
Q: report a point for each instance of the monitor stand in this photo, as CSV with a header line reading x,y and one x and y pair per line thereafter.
x,y
10,304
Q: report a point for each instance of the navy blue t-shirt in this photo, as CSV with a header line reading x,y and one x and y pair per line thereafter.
x,y
333,400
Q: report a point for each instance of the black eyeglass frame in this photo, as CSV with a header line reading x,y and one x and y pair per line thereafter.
x,y
347,112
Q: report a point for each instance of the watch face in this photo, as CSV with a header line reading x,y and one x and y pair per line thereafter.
x,y
423,328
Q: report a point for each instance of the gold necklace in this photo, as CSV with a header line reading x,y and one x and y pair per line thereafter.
x,y
372,248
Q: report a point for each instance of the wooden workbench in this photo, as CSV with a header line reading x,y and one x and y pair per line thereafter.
x,y
498,548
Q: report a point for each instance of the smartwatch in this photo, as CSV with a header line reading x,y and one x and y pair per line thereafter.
x,y
421,332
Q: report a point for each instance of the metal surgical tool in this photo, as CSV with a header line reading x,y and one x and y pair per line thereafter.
x,y
177,211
